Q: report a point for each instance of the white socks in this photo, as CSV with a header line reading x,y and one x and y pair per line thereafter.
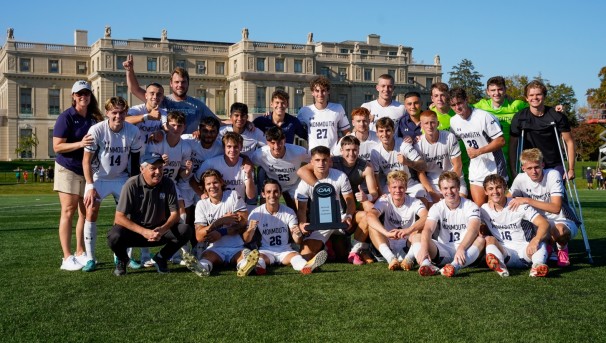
x,y
492,249
540,256
298,262
357,246
90,238
386,252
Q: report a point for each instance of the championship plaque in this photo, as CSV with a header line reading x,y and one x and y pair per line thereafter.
x,y
325,211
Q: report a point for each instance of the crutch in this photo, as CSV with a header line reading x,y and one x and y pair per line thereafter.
x,y
519,153
573,195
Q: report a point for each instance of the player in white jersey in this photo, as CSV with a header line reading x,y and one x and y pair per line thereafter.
x,y
280,162
276,223
457,220
253,138
483,137
404,216
384,105
512,242
394,154
369,141
543,189
105,166
314,241
441,152
149,117
324,120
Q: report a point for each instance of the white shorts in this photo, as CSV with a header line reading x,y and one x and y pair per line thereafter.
x,y
225,253
277,255
570,225
322,235
417,191
188,195
516,255
398,247
106,187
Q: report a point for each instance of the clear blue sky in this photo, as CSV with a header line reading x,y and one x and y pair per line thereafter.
x,y
563,41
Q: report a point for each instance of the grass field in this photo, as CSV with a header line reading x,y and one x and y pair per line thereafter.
x,y
339,303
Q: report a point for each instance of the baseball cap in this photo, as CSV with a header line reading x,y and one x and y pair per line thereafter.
x,y
588,167
80,85
151,158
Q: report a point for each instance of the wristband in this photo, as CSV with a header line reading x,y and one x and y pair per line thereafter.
x,y
369,197
145,117
222,231
88,187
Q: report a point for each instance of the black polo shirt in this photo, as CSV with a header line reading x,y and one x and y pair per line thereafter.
x,y
148,206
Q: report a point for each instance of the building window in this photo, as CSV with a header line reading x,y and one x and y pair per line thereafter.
x,y
235,66
298,98
220,103
152,64
342,73
260,101
392,73
122,91
201,95
25,133
119,61
220,68
411,79
181,64
81,67
368,97
428,82
25,100
279,65
344,51
364,52
260,64
325,71
298,66
53,66
25,64
200,67
367,74
51,151
54,101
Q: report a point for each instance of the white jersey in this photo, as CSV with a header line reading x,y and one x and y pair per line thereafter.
x,y
384,161
232,176
550,185
274,228
336,178
252,139
438,155
284,169
323,126
506,225
112,150
199,154
395,111
207,213
178,155
477,131
366,147
398,217
149,126
452,224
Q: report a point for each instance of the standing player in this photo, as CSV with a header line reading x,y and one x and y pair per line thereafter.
x,y
290,125
105,164
543,189
324,120
149,117
384,105
252,138
511,239
483,137
409,127
441,105
458,223
360,119
276,223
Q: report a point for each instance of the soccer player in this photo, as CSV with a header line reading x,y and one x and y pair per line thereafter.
x,y
253,138
483,137
280,161
384,105
457,220
409,127
511,242
149,117
403,217
441,104
290,125
324,120
276,223
543,189
314,241
105,164
360,119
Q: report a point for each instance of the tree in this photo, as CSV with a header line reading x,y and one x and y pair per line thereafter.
x,y
597,96
26,144
587,140
465,76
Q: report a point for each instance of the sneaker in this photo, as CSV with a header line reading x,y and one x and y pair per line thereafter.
x,y
539,270
251,258
70,263
563,260
120,268
407,263
161,264
192,263
366,256
315,262
82,259
134,264
394,264
428,270
89,266
354,258
493,263
449,270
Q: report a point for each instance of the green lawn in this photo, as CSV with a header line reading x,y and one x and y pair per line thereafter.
x,y
339,303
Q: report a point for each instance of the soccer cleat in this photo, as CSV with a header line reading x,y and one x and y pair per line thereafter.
x,y
407,263
161,264
539,270
251,261
563,259
315,262
120,268
493,263
450,270
89,266
354,258
70,263
192,263
428,270
134,264
394,264
366,256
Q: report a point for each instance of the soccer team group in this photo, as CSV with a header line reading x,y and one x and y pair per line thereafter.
x,y
426,188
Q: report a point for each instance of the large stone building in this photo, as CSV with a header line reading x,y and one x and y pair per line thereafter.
x,y
36,78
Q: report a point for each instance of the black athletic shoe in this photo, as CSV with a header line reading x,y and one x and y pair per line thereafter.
x,y
161,264
120,268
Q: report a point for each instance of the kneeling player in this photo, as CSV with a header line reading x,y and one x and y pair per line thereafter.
x,y
276,222
458,222
392,237
510,244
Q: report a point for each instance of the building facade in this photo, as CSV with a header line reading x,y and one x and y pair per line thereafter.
x,y
36,78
